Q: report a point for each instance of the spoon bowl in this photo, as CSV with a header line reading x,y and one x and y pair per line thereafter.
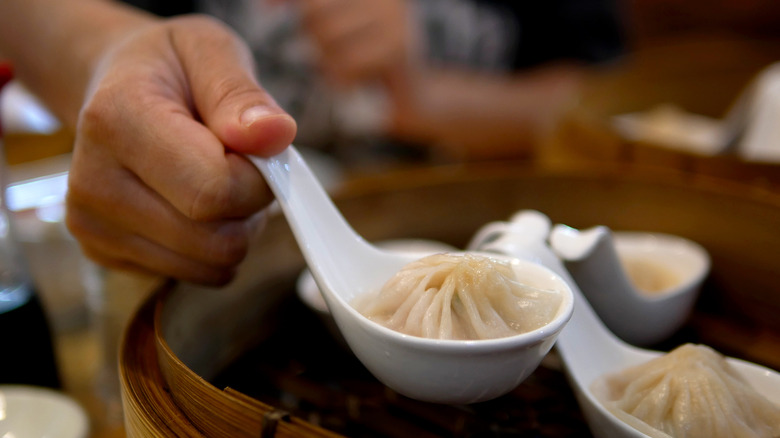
x,y
345,266
588,349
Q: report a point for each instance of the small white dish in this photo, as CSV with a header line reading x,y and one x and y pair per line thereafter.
x,y
643,285
36,412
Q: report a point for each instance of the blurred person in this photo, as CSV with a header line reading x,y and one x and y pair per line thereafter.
x,y
440,79
163,111
472,79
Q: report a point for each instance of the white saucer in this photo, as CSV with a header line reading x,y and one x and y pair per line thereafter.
x,y
36,412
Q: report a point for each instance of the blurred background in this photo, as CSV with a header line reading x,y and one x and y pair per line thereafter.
x,y
695,91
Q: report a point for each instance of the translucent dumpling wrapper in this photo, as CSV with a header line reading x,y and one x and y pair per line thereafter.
x,y
447,296
691,391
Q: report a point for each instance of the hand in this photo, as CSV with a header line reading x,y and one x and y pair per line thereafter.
x,y
158,181
360,40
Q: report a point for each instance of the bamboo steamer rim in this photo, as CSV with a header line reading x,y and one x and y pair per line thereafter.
x,y
162,396
756,190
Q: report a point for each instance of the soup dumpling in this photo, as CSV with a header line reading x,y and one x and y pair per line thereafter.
x,y
447,296
691,391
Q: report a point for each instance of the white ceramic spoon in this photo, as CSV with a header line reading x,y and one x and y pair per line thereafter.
x,y
345,266
588,349
598,260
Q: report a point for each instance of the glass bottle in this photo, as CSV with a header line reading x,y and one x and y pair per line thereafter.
x,y
27,354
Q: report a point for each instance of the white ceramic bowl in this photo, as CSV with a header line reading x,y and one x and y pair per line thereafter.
x,y
35,412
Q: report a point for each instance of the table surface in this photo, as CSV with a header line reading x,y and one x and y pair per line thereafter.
x,y
87,353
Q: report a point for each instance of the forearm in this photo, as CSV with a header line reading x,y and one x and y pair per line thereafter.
x,y
54,45
479,115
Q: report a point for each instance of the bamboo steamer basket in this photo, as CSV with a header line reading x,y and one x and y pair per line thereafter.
x,y
183,336
701,73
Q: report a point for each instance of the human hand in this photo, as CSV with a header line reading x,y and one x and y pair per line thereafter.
x,y
361,40
158,181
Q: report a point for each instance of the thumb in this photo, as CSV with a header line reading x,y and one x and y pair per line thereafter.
x,y
228,98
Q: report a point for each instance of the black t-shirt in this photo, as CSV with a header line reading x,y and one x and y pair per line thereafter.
x,y
585,30
164,8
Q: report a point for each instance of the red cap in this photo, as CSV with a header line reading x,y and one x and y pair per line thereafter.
x,y
6,73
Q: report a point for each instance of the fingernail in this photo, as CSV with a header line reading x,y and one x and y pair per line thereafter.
x,y
250,115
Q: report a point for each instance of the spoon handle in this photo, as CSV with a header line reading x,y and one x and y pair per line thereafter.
x,y
319,227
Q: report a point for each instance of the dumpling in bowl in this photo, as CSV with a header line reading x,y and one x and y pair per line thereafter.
x,y
449,296
691,391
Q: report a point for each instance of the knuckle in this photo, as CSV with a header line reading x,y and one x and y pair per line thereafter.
x,y
233,89
210,201
76,225
78,220
84,196
96,110
79,191
229,248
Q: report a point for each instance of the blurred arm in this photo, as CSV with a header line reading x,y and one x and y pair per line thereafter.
x,y
54,45
476,115
462,109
